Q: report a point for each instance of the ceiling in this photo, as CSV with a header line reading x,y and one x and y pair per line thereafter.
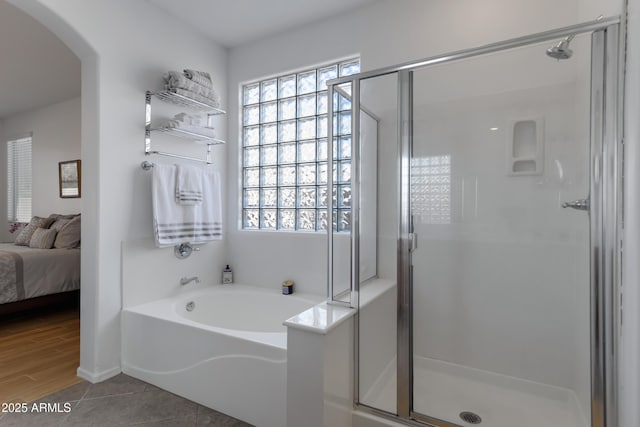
x,y
36,68
234,22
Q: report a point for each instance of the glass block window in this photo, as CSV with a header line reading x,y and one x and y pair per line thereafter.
x,y
284,151
431,189
19,180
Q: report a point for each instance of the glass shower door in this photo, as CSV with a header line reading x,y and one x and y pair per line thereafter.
x,y
500,270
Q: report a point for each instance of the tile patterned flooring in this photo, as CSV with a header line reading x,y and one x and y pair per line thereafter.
x,y
119,401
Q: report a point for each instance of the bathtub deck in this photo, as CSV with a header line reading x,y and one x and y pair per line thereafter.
x,y
445,390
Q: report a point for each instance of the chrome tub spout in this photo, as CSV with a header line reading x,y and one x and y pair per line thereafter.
x,y
185,280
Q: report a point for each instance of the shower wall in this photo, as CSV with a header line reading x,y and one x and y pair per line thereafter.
x,y
501,274
475,259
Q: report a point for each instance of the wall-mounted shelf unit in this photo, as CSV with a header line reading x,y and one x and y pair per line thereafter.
x,y
189,103
192,134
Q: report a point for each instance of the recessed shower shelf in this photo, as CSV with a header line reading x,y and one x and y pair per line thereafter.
x,y
525,147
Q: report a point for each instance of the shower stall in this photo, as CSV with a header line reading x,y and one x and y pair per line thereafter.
x,y
489,200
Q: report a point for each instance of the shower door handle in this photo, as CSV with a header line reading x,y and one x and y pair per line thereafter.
x,y
413,242
580,204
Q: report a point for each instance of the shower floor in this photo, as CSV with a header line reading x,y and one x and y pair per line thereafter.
x,y
443,390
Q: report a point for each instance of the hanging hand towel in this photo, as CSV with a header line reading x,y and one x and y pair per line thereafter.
x,y
174,223
188,185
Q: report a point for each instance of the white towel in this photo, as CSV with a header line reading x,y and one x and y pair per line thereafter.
x,y
174,223
182,118
181,85
202,132
189,185
190,119
200,77
212,101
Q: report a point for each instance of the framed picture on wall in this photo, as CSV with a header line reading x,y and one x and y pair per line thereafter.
x,y
70,175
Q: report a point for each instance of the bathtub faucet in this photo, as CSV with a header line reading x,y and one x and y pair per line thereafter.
x,y
185,280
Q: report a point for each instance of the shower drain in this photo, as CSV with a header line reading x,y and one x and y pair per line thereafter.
x,y
470,417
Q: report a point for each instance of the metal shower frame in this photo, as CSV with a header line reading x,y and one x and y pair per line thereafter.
x,y
605,211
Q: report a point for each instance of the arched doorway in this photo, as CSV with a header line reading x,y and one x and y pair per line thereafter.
x,y
89,147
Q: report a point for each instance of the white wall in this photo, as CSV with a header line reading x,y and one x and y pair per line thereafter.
x,y
509,251
55,133
124,46
383,34
150,273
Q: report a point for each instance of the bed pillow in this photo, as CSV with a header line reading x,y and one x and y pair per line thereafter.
x,y
65,216
24,237
61,220
43,238
69,235
59,223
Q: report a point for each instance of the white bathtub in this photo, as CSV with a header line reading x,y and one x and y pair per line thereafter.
x,y
229,353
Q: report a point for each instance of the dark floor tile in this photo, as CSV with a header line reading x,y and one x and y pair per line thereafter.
x,y
127,409
69,394
120,401
209,418
150,387
120,384
188,421
33,419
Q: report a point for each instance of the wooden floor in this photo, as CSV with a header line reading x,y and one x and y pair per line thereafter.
x,y
39,354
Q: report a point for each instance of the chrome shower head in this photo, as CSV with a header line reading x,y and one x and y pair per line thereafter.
x,y
561,50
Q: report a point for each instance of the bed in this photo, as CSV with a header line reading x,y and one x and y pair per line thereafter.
x,y
28,272
33,271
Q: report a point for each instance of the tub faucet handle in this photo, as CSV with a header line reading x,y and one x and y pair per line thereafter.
x,y
183,250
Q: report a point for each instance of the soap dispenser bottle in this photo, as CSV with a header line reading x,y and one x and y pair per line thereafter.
x,y
227,275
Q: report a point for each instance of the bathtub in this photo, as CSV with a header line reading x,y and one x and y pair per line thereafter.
x,y
228,353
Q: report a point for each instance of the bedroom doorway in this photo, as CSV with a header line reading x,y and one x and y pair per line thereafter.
x,y
39,293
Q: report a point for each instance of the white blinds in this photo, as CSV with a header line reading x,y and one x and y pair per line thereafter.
x,y
19,179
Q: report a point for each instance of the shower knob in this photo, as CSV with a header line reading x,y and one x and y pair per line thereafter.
x,y
580,204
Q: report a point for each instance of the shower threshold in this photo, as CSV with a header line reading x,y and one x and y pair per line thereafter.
x,y
444,390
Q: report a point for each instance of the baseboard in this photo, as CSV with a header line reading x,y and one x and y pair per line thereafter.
x,y
96,377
